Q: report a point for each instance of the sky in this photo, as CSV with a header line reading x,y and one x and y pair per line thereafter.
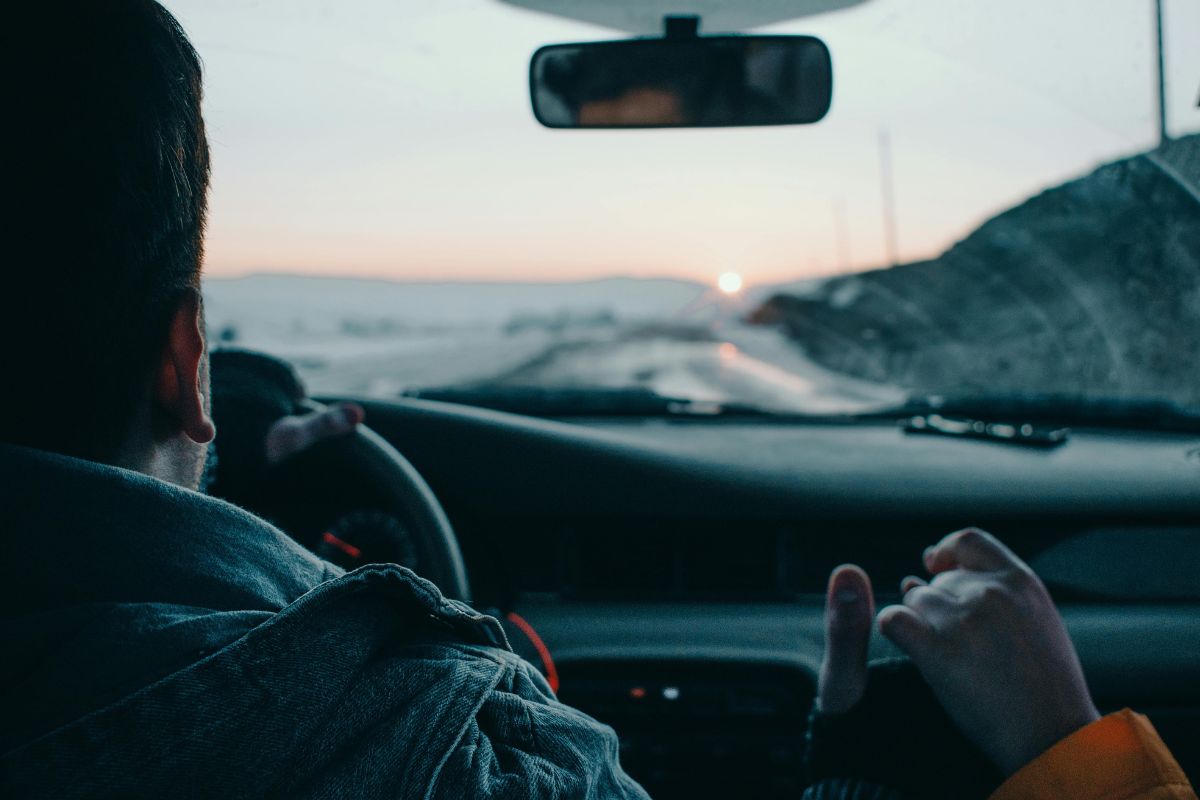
x,y
393,138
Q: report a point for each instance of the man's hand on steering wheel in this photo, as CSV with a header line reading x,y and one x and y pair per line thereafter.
x,y
296,433
986,637
263,418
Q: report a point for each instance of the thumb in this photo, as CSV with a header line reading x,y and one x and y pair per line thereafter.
x,y
849,608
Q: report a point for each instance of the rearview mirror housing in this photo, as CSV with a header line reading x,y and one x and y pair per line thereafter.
x,y
682,81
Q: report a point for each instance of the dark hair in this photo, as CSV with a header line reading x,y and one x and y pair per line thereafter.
x,y
106,172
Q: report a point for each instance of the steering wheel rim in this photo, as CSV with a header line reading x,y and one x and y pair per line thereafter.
x,y
413,500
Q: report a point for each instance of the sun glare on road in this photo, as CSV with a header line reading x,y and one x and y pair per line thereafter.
x,y
729,283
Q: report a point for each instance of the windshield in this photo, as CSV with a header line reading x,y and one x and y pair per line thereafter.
x,y
986,210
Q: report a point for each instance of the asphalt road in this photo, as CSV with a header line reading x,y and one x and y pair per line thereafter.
x,y
729,363
740,365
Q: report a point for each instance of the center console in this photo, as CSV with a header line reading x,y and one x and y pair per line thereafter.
x,y
691,729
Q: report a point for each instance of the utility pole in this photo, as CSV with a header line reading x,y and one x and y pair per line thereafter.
x,y
1162,77
891,247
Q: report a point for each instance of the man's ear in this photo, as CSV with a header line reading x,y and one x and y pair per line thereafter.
x,y
181,386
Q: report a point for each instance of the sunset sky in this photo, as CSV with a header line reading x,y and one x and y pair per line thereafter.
x,y
393,138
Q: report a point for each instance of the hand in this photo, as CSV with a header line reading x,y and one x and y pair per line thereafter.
x,y
882,724
989,641
294,434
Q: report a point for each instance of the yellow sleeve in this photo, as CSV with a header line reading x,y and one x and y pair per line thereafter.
x,y
1119,757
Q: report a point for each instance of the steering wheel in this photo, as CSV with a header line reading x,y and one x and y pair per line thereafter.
x,y
380,469
400,518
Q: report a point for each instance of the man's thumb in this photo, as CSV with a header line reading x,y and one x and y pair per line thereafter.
x,y
849,609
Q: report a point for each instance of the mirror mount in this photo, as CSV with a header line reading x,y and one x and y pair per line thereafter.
x,y
681,26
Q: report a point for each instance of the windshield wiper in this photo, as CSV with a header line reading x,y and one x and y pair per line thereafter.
x,y
1039,420
1050,411
582,401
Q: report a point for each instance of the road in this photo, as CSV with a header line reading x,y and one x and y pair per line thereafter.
x,y
739,365
727,363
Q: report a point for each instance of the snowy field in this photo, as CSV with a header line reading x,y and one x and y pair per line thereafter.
x,y
379,339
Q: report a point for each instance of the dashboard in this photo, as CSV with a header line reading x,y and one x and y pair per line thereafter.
x,y
675,568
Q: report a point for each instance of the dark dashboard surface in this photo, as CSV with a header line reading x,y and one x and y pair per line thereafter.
x,y
664,561
732,510
784,468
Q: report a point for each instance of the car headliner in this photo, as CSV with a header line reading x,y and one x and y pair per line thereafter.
x,y
645,16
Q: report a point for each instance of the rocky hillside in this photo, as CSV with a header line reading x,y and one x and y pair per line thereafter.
x,y
1090,287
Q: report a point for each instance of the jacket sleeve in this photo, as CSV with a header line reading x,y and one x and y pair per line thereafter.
x,y
523,743
1119,757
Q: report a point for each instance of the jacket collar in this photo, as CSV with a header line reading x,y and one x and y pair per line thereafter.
x,y
83,532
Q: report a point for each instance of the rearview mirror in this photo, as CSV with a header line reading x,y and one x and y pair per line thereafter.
x,y
682,82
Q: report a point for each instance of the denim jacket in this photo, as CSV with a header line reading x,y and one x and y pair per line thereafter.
x,y
164,643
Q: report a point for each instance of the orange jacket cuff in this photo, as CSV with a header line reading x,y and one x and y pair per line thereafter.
x,y
1117,757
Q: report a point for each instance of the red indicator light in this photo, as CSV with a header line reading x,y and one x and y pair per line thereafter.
x,y
345,547
637,692
538,645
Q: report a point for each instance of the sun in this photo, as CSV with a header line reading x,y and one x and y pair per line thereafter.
x,y
730,282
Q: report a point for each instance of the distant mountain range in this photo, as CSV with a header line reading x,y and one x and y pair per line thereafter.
x,y
1089,287
270,305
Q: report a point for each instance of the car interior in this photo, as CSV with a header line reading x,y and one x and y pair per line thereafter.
x,y
670,553
675,569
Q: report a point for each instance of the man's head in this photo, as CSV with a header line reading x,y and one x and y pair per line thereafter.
x,y
102,351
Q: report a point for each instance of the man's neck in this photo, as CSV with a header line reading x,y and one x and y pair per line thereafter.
x,y
173,460
176,461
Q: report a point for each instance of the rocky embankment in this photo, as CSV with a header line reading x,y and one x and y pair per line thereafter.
x,y
1090,287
